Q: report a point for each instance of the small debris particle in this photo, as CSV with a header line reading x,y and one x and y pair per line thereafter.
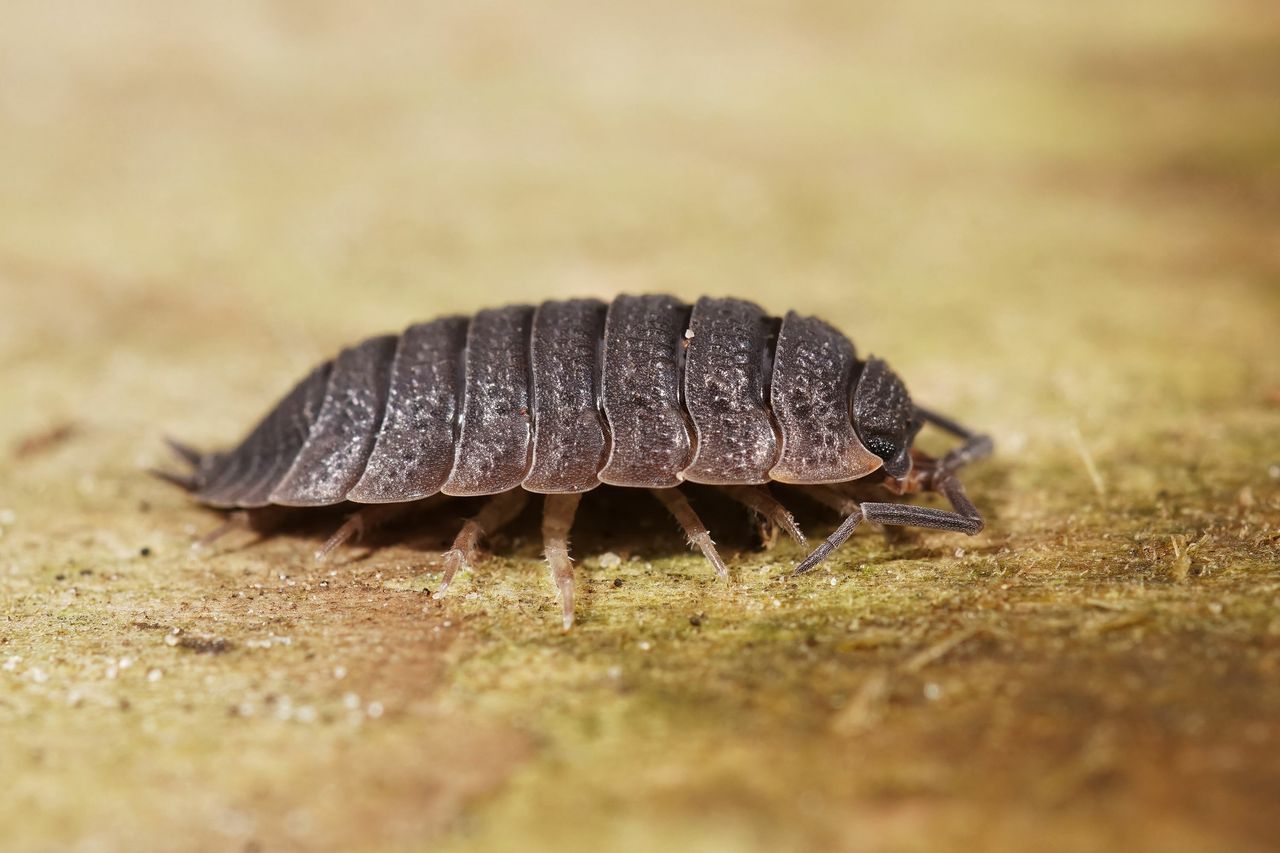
x,y
941,649
617,583
154,675
203,644
44,440
871,638
614,672
645,645
1090,467
38,675
1180,570
932,691
339,672
144,551
374,710
8,516
1117,623
696,620
351,701
688,333
306,714
867,707
609,560
11,663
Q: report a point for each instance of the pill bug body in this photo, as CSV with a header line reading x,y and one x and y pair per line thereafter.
x,y
560,398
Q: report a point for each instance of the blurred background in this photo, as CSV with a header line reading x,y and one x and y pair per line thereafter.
x,y
1060,222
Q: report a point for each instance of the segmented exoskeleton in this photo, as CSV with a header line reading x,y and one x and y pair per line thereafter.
x,y
643,392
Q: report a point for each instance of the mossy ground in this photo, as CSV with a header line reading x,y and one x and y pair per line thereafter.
x,y
1058,221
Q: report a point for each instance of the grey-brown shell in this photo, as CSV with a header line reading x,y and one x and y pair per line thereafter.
x,y
645,391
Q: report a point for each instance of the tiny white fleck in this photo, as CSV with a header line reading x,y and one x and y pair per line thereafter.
x,y
306,714
75,698
38,675
1215,607
1274,472
959,553
339,672
614,672
374,710
777,603
125,663
7,516
833,581
645,645
11,663
351,701
932,692
688,333
154,675
171,639
609,560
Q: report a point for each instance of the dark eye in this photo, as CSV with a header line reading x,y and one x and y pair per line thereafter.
x,y
881,446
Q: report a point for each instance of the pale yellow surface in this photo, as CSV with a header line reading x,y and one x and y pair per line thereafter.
x,y
1057,220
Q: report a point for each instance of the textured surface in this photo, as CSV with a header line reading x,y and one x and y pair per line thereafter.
x,y
810,396
643,358
473,409
249,473
729,351
1057,220
333,457
414,450
569,433
492,451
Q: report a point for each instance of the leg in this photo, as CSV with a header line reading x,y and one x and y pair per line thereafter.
x,y
557,517
758,500
965,518
369,518
263,521
975,446
699,537
498,512
831,497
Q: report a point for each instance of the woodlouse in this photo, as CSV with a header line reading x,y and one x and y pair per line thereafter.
x,y
643,392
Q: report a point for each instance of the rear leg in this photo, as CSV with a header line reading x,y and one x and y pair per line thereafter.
x,y
558,511
763,504
699,536
370,518
263,521
499,511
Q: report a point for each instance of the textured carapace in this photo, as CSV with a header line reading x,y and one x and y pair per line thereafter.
x,y
643,392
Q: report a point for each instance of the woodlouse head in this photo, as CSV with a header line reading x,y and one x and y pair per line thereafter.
x,y
884,417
